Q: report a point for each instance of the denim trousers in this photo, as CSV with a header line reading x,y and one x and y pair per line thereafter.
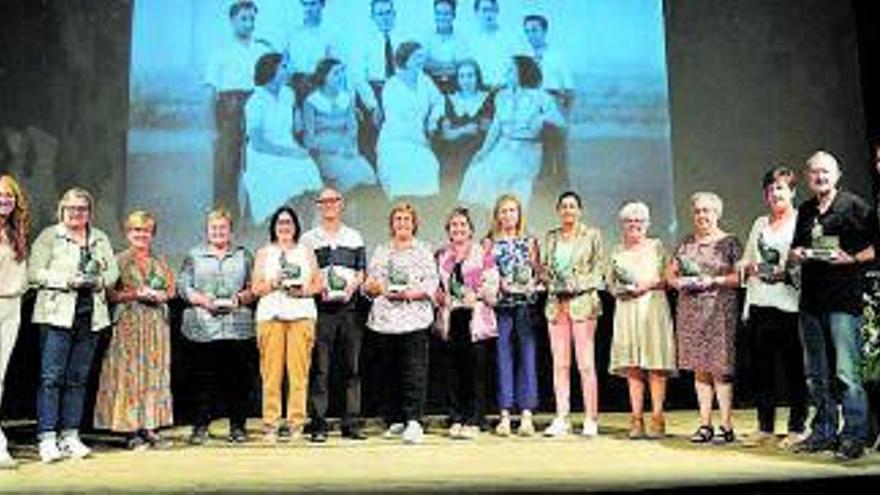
x,y
516,333
66,360
835,338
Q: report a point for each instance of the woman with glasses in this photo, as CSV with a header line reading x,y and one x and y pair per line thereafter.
x,y
72,266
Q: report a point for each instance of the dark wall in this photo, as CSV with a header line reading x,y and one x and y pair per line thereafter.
x,y
64,70
755,83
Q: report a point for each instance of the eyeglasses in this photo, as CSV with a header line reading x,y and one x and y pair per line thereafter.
x,y
328,201
77,209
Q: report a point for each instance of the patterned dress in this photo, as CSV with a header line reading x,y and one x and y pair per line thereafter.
x,y
135,385
706,320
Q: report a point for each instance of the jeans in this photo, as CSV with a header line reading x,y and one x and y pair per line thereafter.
x,y
835,335
66,360
514,323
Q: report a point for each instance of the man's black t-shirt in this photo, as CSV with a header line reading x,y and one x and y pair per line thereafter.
x,y
826,287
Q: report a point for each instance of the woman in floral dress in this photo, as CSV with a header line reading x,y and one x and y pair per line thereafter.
x,y
134,395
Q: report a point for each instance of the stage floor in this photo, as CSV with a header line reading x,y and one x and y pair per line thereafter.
x,y
608,463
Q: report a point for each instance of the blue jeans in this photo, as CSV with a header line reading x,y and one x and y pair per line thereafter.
x,y
514,323
839,333
66,359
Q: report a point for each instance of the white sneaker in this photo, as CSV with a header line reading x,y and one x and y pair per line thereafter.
x,y
49,451
6,460
470,432
590,428
413,433
395,430
526,426
455,431
503,428
558,428
73,447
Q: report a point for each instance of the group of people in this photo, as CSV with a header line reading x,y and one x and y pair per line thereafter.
x,y
405,114
294,301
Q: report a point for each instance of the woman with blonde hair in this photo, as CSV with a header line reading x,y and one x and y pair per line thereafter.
x,y
643,345
14,225
72,265
517,257
134,394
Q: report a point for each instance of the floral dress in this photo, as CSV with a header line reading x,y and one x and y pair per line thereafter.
x,y
706,320
135,385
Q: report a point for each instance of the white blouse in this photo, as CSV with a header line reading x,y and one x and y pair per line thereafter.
x,y
278,305
781,296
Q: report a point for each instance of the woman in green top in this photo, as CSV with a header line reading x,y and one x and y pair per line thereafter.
x,y
573,271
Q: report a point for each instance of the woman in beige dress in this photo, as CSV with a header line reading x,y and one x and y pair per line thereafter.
x,y
643,345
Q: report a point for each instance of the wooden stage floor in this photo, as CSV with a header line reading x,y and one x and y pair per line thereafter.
x,y
608,463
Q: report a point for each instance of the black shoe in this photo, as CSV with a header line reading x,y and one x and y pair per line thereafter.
x,y
198,436
704,434
814,444
238,435
849,450
353,433
319,435
724,436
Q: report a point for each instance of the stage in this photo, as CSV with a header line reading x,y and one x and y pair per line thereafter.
x,y
608,463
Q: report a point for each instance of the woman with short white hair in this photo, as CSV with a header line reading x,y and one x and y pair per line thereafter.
x,y
704,273
643,344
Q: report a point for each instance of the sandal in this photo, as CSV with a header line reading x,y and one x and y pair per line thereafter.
x,y
725,436
704,434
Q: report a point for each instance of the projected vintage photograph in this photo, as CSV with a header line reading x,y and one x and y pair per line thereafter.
x,y
255,104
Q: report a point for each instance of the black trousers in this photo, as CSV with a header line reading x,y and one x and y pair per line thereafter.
x,y
340,330
404,361
466,372
776,342
222,368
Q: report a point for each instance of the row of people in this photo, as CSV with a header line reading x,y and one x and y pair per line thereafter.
x,y
348,130
469,291
477,135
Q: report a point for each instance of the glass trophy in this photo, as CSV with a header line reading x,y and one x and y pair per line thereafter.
x,y
519,280
626,280
336,284
291,274
457,291
223,295
398,281
88,270
770,265
822,247
691,273
156,281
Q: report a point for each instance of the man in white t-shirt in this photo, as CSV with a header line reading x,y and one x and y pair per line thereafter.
x,y
230,78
